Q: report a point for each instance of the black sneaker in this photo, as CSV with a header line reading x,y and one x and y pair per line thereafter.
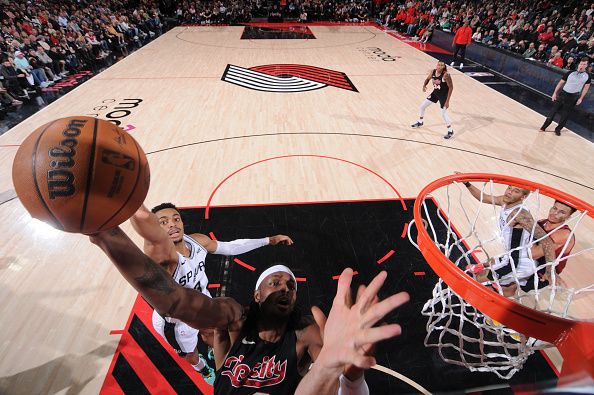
x,y
558,132
416,125
449,135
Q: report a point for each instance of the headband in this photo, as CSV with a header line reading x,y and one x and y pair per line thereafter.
x,y
275,269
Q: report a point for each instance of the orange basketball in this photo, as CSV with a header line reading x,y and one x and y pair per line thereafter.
x,y
81,174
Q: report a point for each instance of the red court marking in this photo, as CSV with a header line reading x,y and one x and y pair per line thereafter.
x,y
337,276
129,127
213,286
476,251
297,203
212,236
404,231
419,273
300,279
385,257
207,210
117,332
241,263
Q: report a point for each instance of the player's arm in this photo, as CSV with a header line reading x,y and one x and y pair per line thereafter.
x,y
561,236
481,196
427,80
524,219
239,246
157,243
448,80
158,288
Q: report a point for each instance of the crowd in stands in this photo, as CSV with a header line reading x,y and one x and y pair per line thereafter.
x,y
42,41
238,11
556,32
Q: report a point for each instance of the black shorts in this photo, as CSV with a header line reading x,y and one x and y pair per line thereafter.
x,y
530,282
434,97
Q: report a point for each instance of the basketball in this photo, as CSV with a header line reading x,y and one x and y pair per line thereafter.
x,y
81,174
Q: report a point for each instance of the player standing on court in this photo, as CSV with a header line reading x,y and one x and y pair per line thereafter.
x,y
442,91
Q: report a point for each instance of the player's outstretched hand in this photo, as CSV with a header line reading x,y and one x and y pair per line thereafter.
x,y
280,239
348,332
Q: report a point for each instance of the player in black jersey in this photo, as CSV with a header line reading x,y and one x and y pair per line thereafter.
x,y
442,91
259,351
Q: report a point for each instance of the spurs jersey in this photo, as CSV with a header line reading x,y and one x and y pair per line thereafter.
x,y
512,239
189,272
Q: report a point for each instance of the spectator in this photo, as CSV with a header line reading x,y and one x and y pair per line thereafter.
x,y
490,38
478,35
22,64
556,60
547,36
462,38
15,80
530,51
570,64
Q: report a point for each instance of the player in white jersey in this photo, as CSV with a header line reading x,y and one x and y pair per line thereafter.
x,y
516,240
184,256
515,225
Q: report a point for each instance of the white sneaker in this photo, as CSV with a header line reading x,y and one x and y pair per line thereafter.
x,y
452,64
461,66
44,84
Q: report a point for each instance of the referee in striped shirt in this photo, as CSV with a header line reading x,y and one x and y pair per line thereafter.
x,y
569,92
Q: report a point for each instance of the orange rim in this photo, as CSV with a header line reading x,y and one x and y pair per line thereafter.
x,y
574,339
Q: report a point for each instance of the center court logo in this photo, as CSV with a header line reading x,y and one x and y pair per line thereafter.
x,y
286,78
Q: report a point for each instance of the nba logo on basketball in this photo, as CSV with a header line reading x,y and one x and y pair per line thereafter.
x,y
286,78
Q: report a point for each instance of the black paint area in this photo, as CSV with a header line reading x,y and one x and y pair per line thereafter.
x,y
277,33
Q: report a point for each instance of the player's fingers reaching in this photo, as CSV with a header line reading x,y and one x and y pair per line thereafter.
x,y
380,309
280,239
320,319
371,291
360,291
374,335
344,287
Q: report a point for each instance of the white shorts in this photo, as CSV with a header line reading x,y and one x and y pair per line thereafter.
x,y
182,337
524,269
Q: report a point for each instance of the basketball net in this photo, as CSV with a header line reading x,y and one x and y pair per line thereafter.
x,y
461,333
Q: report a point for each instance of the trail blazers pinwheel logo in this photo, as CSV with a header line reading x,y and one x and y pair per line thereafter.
x,y
286,78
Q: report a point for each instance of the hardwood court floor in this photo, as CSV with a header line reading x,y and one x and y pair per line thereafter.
x,y
61,297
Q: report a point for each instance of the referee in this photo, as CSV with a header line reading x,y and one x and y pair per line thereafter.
x,y
575,86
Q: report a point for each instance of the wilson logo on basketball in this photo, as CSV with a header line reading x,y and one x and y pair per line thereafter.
x,y
60,180
286,78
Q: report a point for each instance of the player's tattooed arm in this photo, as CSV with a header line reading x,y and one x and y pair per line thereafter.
x,y
158,288
524,219
155,277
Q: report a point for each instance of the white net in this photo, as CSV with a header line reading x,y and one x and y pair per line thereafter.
x,y
480,244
